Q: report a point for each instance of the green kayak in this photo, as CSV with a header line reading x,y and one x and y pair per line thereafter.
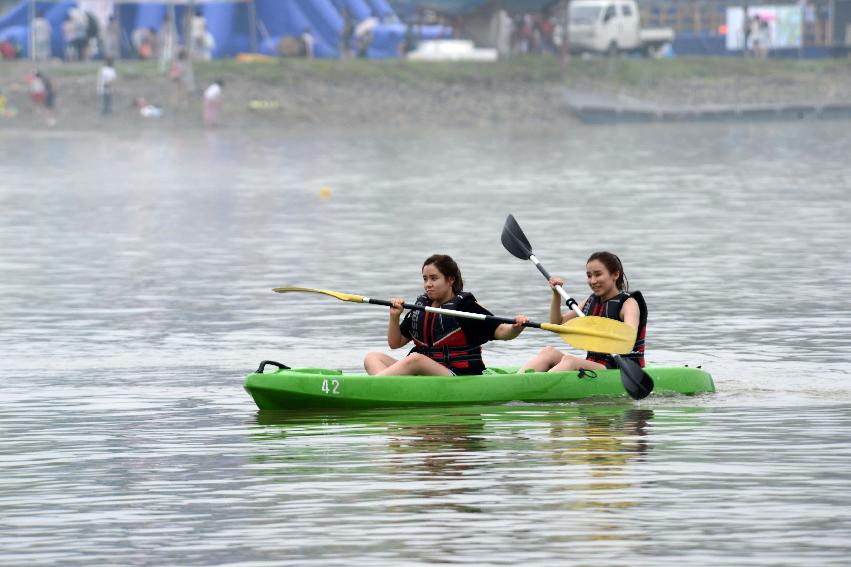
x,y
317,388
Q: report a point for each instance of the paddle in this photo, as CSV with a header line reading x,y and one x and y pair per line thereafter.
x,y
637,383
590,333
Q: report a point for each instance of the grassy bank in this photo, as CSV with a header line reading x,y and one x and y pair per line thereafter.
x,y
528,90
534,69
526,69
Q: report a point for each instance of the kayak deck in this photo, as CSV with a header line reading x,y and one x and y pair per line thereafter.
x,y
318,388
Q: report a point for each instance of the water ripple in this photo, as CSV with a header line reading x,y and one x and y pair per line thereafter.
x,y
134,304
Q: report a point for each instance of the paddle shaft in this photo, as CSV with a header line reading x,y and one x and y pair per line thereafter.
x,y
588,333
451,312
564,295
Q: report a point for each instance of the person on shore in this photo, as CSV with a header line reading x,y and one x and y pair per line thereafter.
x,y
182,78
43,96
203,42
9,50
212,103
93,39
36,88
807,36
364,41
443,345
167,42
409,41
145,43
106,77
346,34
42,31
364,36
68,38
763,42
112,39
609,298
307,43
78,31
147,109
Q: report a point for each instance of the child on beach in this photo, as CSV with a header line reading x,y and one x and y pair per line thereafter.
x,y
42,95
182,79
444,345
212,103
609,298
106,76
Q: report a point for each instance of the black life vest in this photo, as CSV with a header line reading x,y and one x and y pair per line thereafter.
x,y
442,338
612,310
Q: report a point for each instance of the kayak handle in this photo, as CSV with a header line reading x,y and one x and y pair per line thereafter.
x,y
270,363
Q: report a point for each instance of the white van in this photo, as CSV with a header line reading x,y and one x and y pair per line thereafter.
x,y
611,26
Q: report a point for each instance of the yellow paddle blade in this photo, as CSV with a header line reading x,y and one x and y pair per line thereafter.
x,y
597,334
338,294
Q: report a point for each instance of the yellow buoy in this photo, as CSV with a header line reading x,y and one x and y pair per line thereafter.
x,y
324,191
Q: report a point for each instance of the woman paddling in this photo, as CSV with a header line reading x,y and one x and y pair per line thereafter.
x,y
443,345
609,298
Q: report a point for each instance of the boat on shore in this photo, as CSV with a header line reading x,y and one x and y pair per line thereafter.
x,y
319,388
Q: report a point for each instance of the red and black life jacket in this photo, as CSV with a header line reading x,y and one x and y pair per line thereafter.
x,y
442,338
612,310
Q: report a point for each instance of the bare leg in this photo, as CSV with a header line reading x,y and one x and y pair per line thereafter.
x,y
544,360
415,365
570,362
375,362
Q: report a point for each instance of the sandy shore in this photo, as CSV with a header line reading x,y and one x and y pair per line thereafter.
x,y
352,94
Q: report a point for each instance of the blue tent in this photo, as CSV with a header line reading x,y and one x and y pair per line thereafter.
x,y
15,24
238,26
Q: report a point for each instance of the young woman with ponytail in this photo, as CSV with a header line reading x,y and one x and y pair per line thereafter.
x,y
443,345
610,297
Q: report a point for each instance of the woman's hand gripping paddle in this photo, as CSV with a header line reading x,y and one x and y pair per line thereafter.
x,y
637,383
590,333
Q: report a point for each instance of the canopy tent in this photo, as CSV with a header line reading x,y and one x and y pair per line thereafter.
x,y
465,7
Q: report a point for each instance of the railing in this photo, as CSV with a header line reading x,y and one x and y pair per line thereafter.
x,y
710,16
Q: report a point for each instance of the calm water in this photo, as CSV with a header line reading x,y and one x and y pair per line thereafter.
x,y
135,277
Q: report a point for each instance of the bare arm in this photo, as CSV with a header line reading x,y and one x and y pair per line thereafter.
x,y
506,331
394,333
630,313
555,306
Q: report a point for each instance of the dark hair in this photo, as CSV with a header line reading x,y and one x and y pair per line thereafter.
x,y
447,266
613,264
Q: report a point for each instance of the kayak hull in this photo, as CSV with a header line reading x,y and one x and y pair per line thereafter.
x,y
317,388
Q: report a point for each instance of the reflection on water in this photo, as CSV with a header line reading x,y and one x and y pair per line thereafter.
x,y
132,305
590,481
451,461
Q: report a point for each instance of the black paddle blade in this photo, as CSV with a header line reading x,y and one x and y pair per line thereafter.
x,y
637,383
514,240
